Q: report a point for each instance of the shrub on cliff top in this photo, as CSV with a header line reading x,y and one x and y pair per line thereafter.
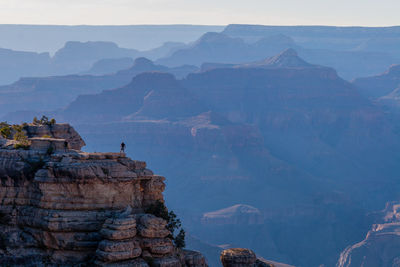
x,y
17,128
35,120
44,121
5,132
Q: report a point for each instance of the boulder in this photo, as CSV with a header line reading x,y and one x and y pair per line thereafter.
x,y
57,131
238,257
194,258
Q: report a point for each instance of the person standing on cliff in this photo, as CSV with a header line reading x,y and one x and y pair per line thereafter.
x,y
122,148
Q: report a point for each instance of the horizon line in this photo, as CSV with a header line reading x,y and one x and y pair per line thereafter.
x,y
200,25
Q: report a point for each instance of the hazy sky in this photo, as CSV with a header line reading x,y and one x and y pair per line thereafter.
x,y
217,12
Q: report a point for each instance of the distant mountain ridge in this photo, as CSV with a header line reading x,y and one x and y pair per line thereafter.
x,y
73,58
353,51
74,85
381,84
384,89
50,93
111,65
141,37
221,48
15,64
152,95
313,33
225,48
286,59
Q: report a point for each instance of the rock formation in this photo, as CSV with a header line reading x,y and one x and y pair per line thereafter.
x,y
379,248
379,85
65,207
241,257
57,131
381,245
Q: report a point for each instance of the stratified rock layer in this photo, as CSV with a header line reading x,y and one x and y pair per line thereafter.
x,y
67,208
381,246
58,131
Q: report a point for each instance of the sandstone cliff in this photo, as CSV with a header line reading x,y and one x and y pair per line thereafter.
x,y
65,207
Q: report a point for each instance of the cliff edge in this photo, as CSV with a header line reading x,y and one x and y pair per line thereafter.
x,y
60,206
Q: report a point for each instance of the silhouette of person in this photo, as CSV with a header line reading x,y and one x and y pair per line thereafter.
x,y
122,147
65,145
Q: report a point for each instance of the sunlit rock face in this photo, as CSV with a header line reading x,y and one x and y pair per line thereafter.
x,y
63,207
381,244
379,248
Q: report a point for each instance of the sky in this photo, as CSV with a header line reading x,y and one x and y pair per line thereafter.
x,y
205,12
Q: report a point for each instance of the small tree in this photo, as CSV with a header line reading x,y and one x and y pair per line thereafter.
x,y
44,120
36,121
173,222
17,128
22,140
158,209
5,132
179,240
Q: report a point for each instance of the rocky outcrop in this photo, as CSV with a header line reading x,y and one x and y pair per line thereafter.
x,y
69,208
57,131
236,257
381,245
241,257
379,248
